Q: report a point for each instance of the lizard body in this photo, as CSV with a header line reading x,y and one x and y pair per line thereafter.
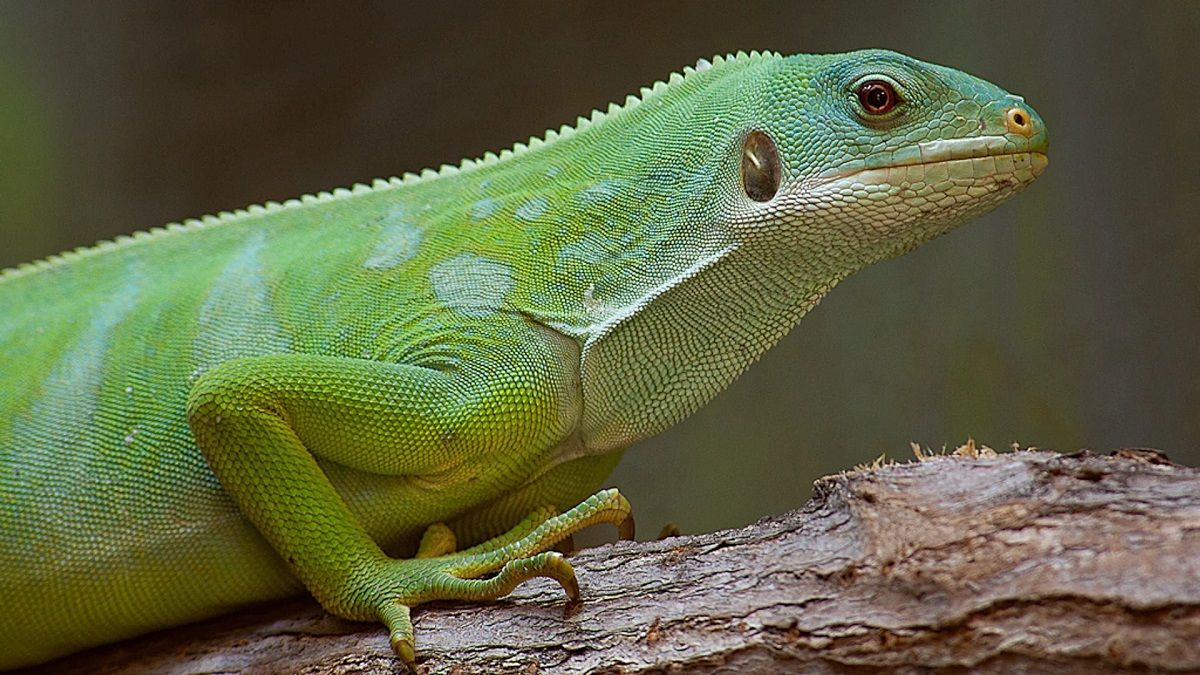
x,y
340,391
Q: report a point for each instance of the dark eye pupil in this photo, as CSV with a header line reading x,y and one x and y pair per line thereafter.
x,y
877,97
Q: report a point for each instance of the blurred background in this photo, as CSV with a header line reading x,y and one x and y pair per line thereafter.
x,y
1068,318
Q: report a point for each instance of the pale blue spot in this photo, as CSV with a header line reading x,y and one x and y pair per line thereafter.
x,y
236,318
471,284
553,171
484,208
398,243
532,209
393,216
585,250
60,420
600,191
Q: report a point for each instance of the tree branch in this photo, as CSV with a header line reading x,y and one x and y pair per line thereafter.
x,y
1027,560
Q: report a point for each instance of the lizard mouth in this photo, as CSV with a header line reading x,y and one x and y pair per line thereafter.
x,y
959,160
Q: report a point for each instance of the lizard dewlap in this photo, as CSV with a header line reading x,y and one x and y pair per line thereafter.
x,y
410,391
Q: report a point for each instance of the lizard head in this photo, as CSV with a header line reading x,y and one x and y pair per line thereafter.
x,y
762,182
871,153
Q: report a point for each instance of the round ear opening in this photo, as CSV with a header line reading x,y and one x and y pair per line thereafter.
x,y
761,170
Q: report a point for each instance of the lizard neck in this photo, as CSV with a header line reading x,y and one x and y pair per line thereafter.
x,y
658,363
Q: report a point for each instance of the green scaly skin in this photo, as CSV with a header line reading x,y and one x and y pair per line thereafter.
x,y
238,408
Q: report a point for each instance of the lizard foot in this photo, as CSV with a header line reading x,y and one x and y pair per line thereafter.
x,y
510,559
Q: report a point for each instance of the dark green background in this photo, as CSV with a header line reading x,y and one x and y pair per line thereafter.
x,y
1067,318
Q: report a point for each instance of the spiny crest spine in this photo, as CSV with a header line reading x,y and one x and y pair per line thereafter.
x,y
408,178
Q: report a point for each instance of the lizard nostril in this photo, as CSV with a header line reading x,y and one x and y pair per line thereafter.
x,y
1018,121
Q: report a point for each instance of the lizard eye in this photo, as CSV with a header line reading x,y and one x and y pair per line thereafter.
x,y
760,167
877,97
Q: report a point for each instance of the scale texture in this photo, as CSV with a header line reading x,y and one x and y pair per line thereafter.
x,y
407,391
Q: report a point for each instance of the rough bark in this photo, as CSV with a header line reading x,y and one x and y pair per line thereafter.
x,y
1021,562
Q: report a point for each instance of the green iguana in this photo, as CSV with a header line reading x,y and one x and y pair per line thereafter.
x,y
385,394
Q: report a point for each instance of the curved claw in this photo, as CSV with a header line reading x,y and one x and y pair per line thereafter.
x,y
626,529
398,620
404,649
564,574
